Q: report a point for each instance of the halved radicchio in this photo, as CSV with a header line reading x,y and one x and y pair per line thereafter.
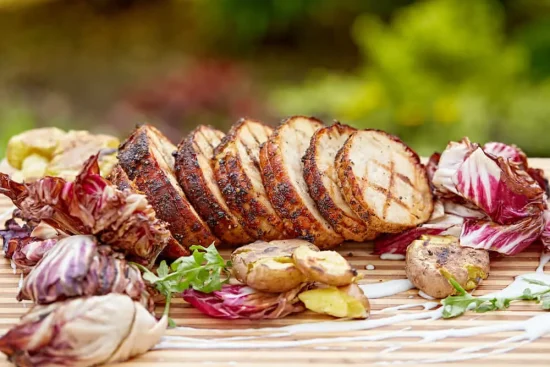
x,y
92,205
499,199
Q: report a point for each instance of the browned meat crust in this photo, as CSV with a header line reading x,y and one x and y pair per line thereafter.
x,y
281,164
195,174
236,168
146,157
324,186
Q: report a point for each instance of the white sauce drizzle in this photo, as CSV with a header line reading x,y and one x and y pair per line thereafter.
x,y
369,267
544,258
424,295
4,216
426,306
531,329
13,267
386,289
390,256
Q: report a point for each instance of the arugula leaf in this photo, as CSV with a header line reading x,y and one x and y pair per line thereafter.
x,y
457,305
204,270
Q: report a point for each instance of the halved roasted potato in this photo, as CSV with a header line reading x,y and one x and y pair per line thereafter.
x,y
268,266
348,301
42,141
429,255
327,267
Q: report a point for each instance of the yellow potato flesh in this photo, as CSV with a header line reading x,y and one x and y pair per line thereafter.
x,y
334,302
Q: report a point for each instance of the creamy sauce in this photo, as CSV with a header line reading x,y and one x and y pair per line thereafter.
x,y
424,295
544,258
425,306
390,256
386,289
5,215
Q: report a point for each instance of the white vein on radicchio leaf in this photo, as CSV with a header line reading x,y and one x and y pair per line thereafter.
x,y
77,266
92,205
242,302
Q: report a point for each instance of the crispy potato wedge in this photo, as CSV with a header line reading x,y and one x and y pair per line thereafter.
x,y
195,173
429,255
283,178
237,172
324,187
327,267
268,266
344,302
384,182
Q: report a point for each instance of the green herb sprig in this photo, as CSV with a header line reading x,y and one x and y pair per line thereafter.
x,y
205,271
458,304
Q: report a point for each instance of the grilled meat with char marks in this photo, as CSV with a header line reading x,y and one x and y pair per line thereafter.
x,y
383,181
146,157
195,173
283,177
324,186
237,172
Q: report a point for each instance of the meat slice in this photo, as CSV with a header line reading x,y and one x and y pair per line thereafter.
x,y
236,166
324,186
195,173
283,177
120,179
383,181
146,157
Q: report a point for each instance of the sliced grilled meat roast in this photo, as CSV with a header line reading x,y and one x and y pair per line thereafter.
x,y
196,175
282,173
324,186
146,157
119,178
237,172
383,181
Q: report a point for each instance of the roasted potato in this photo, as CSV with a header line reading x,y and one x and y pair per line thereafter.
x,y
429,255
348,301
41,141
268,266
327,267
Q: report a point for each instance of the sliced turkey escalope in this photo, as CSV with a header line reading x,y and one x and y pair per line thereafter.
x,y
383,181
324,186
196,175
237,172
146,157
282,173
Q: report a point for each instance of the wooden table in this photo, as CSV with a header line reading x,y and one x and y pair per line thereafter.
x,y
503,271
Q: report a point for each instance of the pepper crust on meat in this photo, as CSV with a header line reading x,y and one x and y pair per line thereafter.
x,y
195,173
282,173
146,157
237,172
324,187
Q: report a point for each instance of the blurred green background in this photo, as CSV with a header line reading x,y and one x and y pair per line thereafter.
x,y
428,71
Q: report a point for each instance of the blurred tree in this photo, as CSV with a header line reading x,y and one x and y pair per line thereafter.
x,y
440,70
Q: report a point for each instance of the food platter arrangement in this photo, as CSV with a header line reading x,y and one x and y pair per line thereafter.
x,y
305,238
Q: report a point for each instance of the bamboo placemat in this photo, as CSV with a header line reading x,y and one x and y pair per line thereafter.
x,y
503,271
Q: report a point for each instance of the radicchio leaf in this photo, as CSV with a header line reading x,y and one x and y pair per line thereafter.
x,y
242,302
92,205
77,266
507,239
509,152
82,332
398,243
14,231
450,161
29,251
504,191
545,236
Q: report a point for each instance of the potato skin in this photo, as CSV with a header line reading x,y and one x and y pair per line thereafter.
x,y
327,267
268,266
427,256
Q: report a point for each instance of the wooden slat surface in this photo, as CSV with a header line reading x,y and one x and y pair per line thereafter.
x,y
503,271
